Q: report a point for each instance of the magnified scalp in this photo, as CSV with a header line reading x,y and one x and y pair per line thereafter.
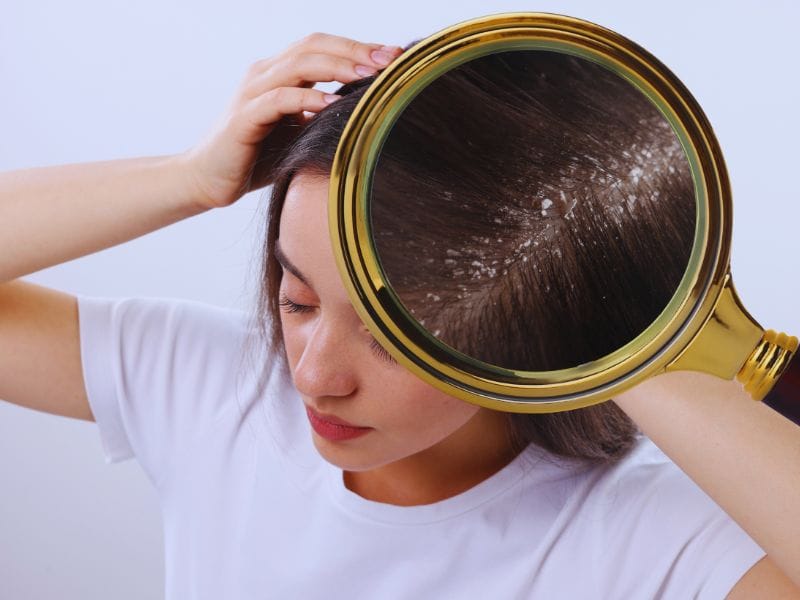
x,y
533,210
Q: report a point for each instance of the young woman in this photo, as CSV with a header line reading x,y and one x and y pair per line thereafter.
x,y
336,473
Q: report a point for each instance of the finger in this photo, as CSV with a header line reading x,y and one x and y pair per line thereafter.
x,y
259,115
375,55
345,47
303,70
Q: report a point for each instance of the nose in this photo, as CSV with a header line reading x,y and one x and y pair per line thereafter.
x,y
326,367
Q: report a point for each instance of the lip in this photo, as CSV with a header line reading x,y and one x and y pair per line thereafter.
x,y
333,428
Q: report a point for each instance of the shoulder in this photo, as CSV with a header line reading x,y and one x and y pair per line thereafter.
x,y
174,316
646,489
162,372
648,517
171,346
153,328
644,475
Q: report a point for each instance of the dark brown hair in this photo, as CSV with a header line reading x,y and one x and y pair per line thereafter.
x,y
546,202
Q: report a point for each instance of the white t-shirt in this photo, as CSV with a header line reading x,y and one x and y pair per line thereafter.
x,y
250,509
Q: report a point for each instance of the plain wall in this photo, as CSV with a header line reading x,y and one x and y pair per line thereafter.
x,y
89,80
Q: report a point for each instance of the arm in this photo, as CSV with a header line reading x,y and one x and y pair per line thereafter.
x,y
40,357
740,452
49,215
764,580
53,214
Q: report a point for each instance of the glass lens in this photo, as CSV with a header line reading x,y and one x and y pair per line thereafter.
x,y
533,210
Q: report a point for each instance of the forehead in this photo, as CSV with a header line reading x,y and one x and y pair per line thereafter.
x,y
304,238
305,204
303,227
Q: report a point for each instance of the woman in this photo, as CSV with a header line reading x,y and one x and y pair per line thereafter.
x,y
419,493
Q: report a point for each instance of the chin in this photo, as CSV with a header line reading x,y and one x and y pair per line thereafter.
x,y
347,456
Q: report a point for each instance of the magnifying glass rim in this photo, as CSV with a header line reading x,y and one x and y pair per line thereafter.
x,y
399,332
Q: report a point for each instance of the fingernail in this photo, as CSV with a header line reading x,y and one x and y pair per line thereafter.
x,y
392,49
365,71
329,98
382,58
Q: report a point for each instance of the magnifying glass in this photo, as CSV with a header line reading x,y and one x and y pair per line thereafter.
x,y
531,213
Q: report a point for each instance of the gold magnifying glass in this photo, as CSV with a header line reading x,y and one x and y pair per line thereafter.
x,y
531,213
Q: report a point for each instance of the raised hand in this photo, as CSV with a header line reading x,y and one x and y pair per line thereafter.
x,y
271,101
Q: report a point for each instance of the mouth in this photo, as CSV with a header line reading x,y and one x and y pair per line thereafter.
x,y
333,428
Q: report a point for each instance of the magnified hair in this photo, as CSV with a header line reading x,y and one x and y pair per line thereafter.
x,y
533,210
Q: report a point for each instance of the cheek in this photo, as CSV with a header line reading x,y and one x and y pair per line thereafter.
x,y
418,408
293,340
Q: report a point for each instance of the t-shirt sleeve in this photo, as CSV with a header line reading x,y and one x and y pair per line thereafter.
x,y
714,552
158,373
736,553
673,539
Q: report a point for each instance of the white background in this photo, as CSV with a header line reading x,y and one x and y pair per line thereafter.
x,y
93,80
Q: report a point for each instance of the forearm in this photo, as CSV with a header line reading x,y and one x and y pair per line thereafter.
x,y
740,452
49,215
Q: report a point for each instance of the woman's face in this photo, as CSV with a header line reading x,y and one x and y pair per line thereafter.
x,y
338,368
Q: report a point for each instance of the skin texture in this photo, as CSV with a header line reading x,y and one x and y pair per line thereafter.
x,y
425,445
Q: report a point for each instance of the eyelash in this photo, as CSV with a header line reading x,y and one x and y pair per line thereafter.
x,y
290,306
382,352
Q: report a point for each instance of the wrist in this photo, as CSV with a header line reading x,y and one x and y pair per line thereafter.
x,y
194,194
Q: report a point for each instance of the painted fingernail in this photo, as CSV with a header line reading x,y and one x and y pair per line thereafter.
x,y
365,71
382,58
329,98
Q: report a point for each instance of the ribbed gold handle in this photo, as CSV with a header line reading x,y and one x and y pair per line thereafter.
x,y
772,373
767,363
732,344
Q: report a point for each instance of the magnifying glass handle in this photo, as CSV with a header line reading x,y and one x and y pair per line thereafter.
x,y
772,374
785,395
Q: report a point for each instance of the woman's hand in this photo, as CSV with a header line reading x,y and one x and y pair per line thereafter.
x,y
49,215
275,91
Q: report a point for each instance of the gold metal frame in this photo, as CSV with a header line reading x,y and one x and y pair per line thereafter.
x,y
704,326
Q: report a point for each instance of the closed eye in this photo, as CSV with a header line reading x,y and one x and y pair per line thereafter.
x,y
290,306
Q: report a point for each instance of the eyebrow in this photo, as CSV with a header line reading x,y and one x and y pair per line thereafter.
x,y
287,264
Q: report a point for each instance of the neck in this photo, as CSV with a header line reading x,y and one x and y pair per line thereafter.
x,y
467,457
